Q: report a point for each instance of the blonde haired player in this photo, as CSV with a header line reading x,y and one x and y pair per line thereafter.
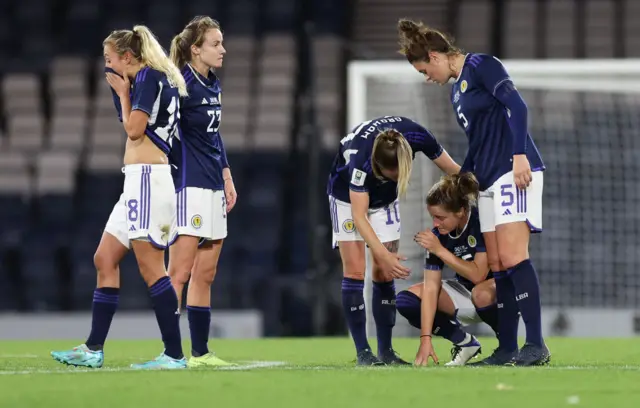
x,y
146,87
370,171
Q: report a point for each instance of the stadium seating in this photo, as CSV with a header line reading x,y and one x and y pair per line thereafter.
x,y
62,145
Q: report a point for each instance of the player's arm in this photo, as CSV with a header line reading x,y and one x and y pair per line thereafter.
x,y
139,109
431,287
495,79
359,209
446,163
475,270
435,152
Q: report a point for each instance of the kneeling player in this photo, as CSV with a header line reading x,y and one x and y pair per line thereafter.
x,y
470,298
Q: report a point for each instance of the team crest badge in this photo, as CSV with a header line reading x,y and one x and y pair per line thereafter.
x,y
196,221
463,86
471,240
348,226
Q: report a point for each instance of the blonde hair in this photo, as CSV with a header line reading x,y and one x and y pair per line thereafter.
x,y
455,192
144,47
392,151
416,41
192,34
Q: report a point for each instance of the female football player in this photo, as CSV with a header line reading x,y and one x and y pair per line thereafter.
x,y
455,241
509,169
371,170
204,186
147,87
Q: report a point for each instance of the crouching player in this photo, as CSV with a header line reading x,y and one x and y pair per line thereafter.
x,y
470,298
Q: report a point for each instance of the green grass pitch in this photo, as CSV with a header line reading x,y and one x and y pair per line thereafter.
x,y
319,372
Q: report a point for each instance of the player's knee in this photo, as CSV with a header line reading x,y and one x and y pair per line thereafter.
x,y
204,276
483,297
105,263
378,275
509,259
405,301
493,259
353,268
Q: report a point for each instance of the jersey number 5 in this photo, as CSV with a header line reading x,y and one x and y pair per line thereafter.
x,y
465,122
214,125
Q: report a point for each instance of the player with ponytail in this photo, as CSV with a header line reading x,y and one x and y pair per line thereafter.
x,y
146,87
370,172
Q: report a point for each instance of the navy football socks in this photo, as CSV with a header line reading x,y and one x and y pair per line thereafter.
x,y
527,295
105,304
354,312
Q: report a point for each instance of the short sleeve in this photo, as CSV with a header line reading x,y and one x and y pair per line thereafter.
x,y
358,157
145,91
421,140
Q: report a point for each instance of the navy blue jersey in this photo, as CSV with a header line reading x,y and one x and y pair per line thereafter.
x,y
351,169
465,246
484,118
152,94
198,152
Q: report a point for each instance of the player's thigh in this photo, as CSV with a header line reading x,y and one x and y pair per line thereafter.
x,y
513,243
387,226
493,255
182,255
353,258
445,303
416,289
206,263
484,293
460,296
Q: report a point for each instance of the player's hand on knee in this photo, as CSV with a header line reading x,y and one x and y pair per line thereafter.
x,y
392,267
425,352
521,171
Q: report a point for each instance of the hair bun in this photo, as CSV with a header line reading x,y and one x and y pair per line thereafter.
x,y
409,27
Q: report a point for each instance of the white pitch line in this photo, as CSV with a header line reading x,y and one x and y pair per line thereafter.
x,y
248,365
18,356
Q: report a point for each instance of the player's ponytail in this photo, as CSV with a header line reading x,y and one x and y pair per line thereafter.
x,y
192,34
153,55
416,41
392,151
144,47
455,192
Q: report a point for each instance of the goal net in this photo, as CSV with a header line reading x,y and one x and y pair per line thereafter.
x,y
585,118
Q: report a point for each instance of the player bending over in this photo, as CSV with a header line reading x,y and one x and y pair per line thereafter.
x,y
372,168
205,190
147,87
508,167
456,241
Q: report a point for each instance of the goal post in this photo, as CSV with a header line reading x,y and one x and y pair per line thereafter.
x,y
584,116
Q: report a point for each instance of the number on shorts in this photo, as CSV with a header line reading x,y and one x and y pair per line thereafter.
x,y
224,207
395,211
133,210
507,194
